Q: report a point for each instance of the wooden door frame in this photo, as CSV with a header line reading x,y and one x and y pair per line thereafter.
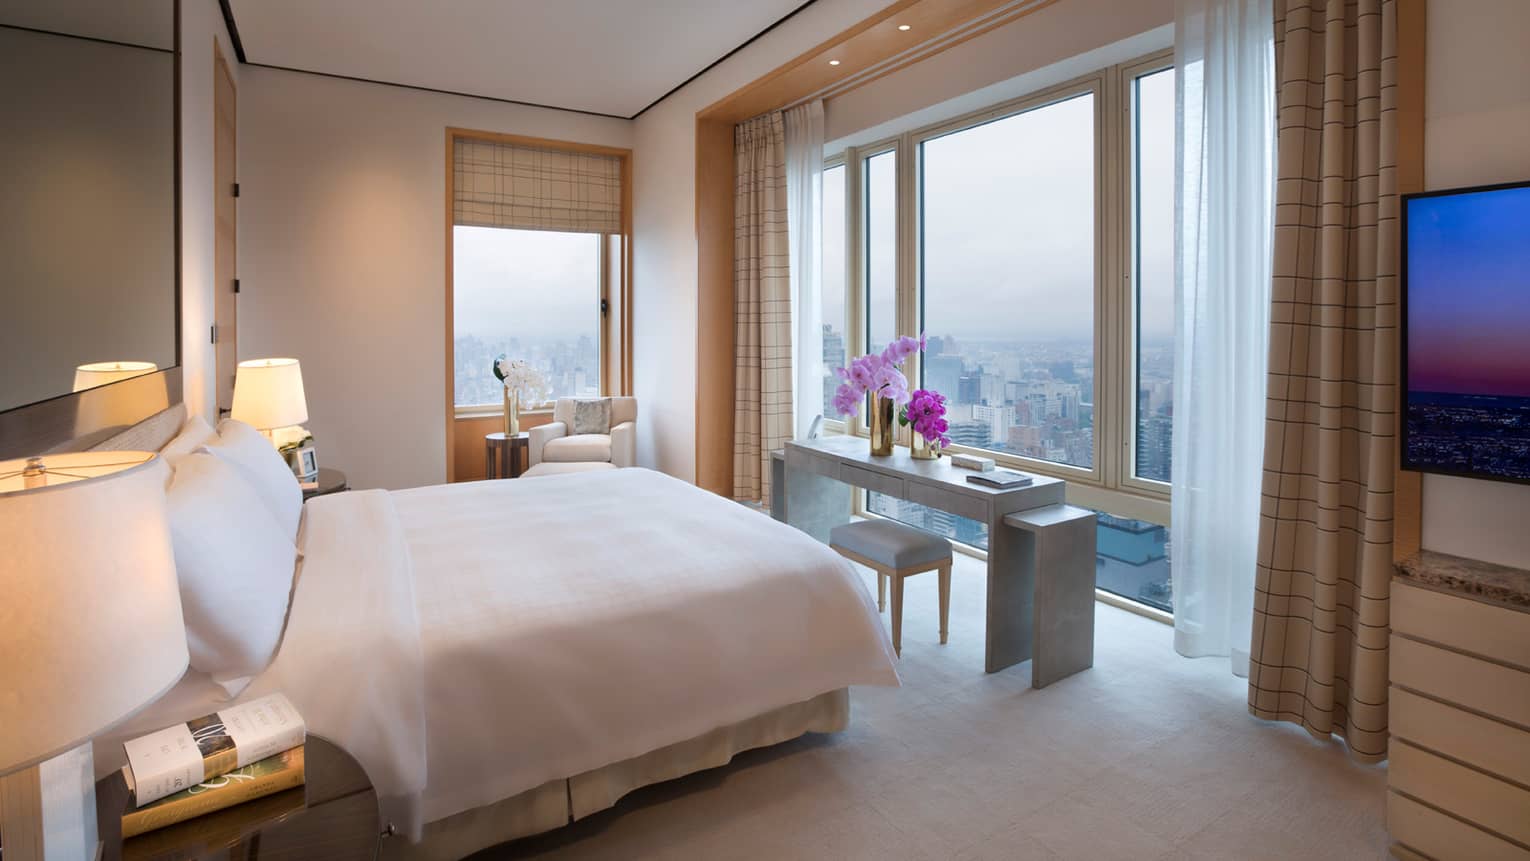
x,y
221,67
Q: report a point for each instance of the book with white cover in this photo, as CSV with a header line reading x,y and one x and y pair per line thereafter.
x,y
176,758
972,461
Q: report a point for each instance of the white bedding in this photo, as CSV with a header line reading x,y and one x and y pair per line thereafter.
x,y
563,623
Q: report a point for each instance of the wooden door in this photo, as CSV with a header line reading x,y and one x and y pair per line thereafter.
x,y
226,230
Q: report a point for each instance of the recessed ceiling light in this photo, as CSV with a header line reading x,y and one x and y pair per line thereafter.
x,y
834,62
904,27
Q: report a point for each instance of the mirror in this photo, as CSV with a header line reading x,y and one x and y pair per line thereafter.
x,y
89,287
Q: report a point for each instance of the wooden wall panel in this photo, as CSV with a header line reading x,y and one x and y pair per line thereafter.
x,y
714,306
1408,495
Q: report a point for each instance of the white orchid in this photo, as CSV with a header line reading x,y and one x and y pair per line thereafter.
x,y
521,377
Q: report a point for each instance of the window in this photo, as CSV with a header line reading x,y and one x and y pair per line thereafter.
x,y
1043,254
836,351
527,294
1153,270
1008,288
881,184
539,246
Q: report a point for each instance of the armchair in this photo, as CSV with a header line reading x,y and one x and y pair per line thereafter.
x,y
552,443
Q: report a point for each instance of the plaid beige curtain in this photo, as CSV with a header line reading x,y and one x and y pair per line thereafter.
x,y
498,184
762,295
1319,649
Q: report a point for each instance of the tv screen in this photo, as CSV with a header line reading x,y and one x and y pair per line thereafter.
x,y
1466,354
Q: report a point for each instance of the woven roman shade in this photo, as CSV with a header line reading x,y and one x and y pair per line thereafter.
x,y
531,188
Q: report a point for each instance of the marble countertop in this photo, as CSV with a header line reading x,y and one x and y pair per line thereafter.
x,y
1469,578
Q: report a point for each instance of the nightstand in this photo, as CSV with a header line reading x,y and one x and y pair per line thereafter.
x,y
503,454
334,816
330,481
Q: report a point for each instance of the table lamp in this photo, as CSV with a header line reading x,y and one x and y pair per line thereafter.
x,y
268,396
91,631
100,373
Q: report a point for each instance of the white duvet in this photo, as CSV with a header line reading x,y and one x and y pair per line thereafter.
x,y
564,623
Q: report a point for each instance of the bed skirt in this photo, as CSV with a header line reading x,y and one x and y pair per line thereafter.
x,y
557,803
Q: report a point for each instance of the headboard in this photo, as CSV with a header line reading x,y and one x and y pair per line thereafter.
x,y
151,434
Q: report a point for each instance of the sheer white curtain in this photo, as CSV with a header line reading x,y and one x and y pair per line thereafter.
x,y
1225,65
804,200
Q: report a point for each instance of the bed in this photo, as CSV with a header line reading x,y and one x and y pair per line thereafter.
x,y
504,657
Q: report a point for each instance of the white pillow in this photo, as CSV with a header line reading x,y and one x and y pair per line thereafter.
x,y
264,468
235,566
195,432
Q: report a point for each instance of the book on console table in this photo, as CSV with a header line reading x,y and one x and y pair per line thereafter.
x,y
177,758
1000,478
258,779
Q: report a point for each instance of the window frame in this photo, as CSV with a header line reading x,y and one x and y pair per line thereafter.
x,y
835,424
614,267
1111,483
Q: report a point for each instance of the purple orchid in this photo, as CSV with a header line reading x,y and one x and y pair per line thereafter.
x,y
876,373
926,411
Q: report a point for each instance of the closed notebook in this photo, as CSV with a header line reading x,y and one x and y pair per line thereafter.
x,y
258,779
1000,478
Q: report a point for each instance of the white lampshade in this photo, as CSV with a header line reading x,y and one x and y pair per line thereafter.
x,y
100,373
268,393
90,622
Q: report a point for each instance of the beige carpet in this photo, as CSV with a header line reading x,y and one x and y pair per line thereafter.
x,y
1148,755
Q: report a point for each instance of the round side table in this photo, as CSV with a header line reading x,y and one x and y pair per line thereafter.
x,y
503,454
329,481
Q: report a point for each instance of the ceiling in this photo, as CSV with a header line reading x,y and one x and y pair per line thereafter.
x,y
612,57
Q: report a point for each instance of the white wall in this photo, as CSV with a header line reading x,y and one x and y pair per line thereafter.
x,y
1477,131
664,282
201,23
665,301
342,254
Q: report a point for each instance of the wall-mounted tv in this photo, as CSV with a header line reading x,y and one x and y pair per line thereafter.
x,y
1466,332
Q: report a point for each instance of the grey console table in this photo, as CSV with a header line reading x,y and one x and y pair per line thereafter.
x,y
1041,551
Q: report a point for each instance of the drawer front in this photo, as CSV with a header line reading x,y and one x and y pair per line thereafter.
x,y
1436,835
948,500
1487,802
812,463
1493,689
873,481
1494,747
1461,623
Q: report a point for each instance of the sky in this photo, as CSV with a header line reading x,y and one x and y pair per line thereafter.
x,y
1009,226
1469,293
535,285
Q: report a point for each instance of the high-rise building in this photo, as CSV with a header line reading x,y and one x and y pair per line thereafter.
x,y
973,432
969,388
943,373
833,357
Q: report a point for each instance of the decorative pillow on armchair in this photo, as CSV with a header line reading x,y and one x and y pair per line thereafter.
x,y
592,416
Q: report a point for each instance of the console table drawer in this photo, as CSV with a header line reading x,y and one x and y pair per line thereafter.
x,y
1461,623
1492,689
871,480
949,501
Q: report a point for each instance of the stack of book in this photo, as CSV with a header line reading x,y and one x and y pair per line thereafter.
x,y
213,762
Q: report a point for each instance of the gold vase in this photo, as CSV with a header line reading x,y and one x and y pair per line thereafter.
x,y
883,427
923,449
512,412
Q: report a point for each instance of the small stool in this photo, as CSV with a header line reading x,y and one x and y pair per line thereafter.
x,y
896,551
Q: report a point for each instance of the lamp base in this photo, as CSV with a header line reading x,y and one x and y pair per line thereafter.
x,y
48,811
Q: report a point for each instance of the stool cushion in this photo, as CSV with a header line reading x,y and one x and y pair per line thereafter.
x,y
546,468
890,544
